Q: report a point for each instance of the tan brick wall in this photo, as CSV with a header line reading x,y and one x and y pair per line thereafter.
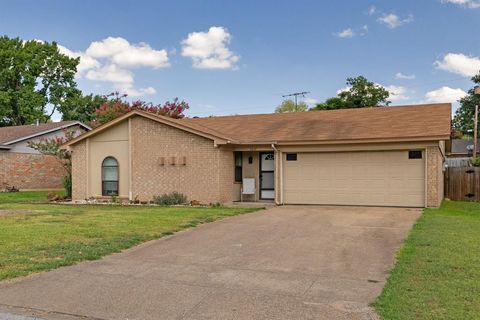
x,y
226,176
434,177
79,171
30,171
207,176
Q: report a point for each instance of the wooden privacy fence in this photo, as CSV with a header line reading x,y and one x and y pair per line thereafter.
x,y
462,183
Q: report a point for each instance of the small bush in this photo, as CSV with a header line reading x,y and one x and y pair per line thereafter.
x,y
67,185
170,199
476,162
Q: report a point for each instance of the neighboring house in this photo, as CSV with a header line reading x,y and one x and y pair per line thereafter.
x,y
386,156
459,153
461,148
24,167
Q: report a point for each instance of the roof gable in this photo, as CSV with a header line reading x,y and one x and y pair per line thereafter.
x,y
197,129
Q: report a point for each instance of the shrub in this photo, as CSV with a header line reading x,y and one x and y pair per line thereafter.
x,y
67,185
170,199
476,162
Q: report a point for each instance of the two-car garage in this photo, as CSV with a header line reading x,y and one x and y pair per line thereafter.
x,y
377,178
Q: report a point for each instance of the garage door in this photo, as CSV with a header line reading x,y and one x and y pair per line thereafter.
x,y
386,178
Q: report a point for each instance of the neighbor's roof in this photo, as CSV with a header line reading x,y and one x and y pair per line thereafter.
x,y
13,134
403,123
459,146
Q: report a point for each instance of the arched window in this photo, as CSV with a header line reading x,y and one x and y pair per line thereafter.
x,y
110,177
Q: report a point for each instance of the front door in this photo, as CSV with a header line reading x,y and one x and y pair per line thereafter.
x,y
267,176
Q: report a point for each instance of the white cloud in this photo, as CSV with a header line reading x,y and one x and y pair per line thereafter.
x,y
393,21
347,33
125,54
111,60
472,4
459,63
132,92
110,73
86,61
209,50
444,94
343,90
397,93
372,10
402,76
311,101
121,79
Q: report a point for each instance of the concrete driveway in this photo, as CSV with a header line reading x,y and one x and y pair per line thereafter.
x,y
287,262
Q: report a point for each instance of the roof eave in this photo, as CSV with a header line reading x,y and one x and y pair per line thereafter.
x,y
346,141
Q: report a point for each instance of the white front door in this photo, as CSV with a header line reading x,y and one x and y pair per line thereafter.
x,y
267,176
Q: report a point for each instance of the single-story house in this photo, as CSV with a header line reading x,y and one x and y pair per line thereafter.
x,y
385,156
26,168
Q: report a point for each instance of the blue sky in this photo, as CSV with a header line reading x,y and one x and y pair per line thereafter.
x,y
236,57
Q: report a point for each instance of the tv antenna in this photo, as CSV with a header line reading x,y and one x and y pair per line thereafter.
x,y
295,95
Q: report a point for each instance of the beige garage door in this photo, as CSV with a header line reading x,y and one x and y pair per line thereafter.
x,y
385,178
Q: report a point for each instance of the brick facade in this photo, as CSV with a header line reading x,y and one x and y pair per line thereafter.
x,y
30,171
165,159
434,172
79,171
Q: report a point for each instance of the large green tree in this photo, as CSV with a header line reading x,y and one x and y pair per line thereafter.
x,y
289,106
80,107
463,119
361,93
35,80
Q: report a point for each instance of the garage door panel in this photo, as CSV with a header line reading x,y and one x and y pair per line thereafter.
x,y
386,178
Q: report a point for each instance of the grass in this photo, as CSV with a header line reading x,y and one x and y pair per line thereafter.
x,y
37,237
25,196
437,275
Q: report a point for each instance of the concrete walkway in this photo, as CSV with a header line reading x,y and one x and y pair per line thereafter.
x,y
287,262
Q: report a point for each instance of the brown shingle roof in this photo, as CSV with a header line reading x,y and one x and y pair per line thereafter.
x,y
429,122
402,122
13,133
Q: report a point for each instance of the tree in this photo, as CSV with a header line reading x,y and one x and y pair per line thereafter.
x,y
34,75
80,107
361,93
289,106
463,119
116,106
51,147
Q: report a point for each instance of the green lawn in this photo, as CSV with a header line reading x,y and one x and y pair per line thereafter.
x,y
25,196
437,275
36,237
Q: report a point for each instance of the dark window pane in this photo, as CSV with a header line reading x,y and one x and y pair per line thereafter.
x,y
238,174
110,177
416,154
238,166
291,157
110,188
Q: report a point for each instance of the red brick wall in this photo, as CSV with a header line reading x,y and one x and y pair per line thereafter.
x,y
30,171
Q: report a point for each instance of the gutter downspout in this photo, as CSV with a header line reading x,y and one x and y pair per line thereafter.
x,y
279,199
